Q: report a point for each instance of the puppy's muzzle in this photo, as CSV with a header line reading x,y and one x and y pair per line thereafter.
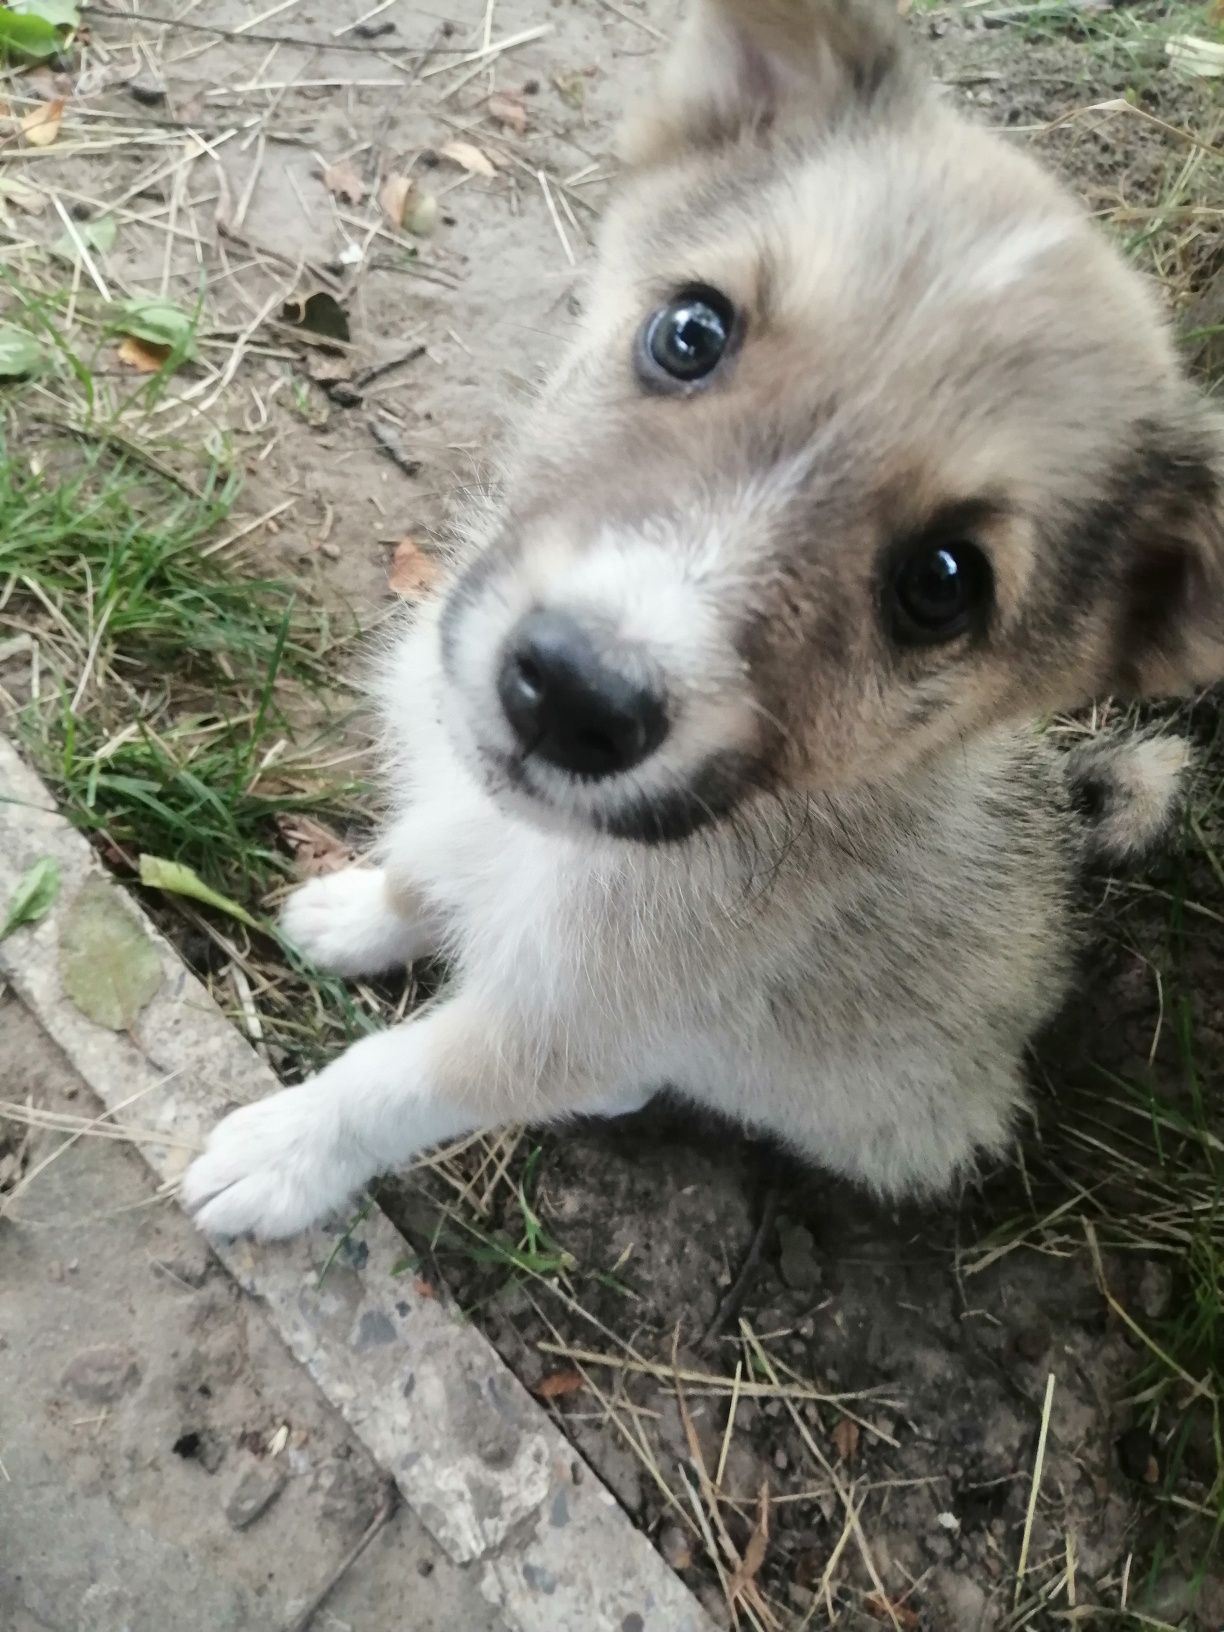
x,y
589,710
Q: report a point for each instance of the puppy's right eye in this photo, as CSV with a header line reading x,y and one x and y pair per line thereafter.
x,y
683,342
939,590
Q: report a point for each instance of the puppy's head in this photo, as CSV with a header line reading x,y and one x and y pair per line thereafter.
x,y
867,441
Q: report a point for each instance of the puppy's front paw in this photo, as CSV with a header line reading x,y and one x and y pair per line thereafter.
x,y
271,1169
345,924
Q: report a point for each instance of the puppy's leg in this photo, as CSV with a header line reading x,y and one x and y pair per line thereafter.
x,y
359,922
284,1163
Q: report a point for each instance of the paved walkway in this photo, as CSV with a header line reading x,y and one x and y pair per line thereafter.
x,y
164,1462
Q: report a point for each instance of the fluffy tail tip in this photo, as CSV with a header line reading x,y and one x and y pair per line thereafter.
x,y
1128,791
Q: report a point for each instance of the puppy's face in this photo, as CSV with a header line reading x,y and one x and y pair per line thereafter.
x,y
867,441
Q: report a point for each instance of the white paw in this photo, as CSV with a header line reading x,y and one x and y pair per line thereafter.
x,y
271,1169
345,924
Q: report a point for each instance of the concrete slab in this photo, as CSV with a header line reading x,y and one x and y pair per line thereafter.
x,y
493,1481
142,1393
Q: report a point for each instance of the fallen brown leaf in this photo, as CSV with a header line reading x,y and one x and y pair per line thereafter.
x,y
881,1609
558,1385
510,111
393,198
845,1437
412,573
424,1288
41,126
145,356
469,157
315,848
343,182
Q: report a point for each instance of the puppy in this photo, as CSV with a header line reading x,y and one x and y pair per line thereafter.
x,y
714,763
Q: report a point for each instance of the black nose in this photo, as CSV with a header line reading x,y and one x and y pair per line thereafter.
x,y
569,706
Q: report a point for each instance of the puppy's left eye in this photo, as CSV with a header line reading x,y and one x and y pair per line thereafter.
x,y
938,591
683,342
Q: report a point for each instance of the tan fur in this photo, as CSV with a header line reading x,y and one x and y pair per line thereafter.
x,y
834,902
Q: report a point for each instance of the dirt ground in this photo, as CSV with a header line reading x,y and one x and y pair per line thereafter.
x,y
949,1412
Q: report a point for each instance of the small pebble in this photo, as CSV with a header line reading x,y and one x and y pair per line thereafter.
x,y
146,90
254,1494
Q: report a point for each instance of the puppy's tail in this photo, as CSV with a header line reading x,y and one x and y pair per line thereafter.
x,y
1127,789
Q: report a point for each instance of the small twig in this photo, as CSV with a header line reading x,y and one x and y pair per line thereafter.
x,y
729,1309
1035,1488
556,219
704,1381
241,36
493,50
349,393
363,21
390,1502
389,444
81,247
376,371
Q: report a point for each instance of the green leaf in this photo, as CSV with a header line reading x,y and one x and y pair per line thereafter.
x,y
160,322
108,965
97,235
22,36
20,353
176,879
34,896
57,13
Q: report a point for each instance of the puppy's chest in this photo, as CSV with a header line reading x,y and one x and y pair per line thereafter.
x,y
632,937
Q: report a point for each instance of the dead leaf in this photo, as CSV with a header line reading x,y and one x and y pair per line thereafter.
x,y
143,355
510,111
1203,59
393,198
424,1288
41,126
845,1437
754,1553
468,157
343,182
881,1609
315,848
412,572
558,1385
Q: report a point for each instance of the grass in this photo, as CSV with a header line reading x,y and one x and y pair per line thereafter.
x,y
177,704
163,676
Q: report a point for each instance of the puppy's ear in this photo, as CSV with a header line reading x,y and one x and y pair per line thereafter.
x,y
753,65
1169,632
